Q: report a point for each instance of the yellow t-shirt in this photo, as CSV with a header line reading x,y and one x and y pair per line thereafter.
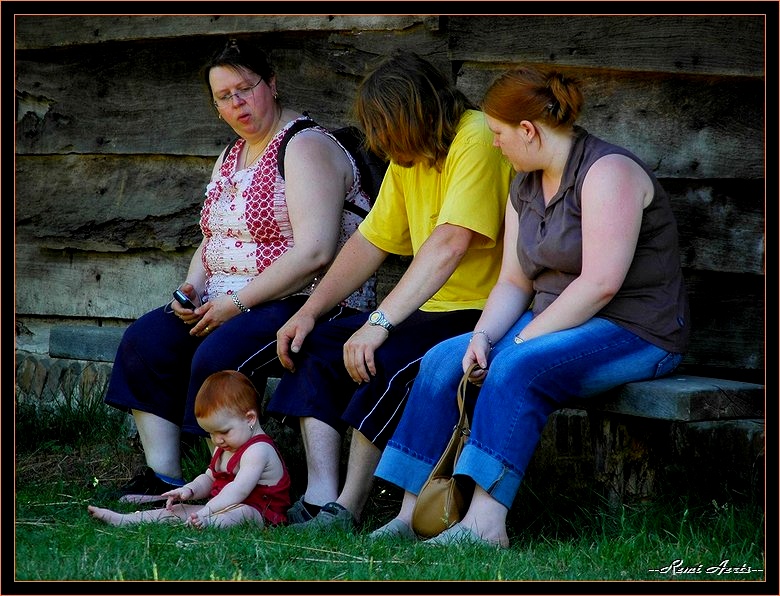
x,y
471,191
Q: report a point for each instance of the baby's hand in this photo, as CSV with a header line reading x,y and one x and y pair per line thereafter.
x,y
181,493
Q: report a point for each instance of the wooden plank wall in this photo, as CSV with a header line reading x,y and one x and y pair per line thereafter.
x,y
116,138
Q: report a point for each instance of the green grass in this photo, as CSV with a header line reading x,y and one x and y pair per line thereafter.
x,y
578,540
56,540
71,417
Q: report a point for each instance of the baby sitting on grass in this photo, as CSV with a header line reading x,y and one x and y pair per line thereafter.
x,y
247,479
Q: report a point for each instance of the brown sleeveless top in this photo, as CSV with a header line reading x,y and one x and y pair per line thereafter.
x,y
652,303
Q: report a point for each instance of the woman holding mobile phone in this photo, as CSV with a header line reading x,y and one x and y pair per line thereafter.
x,y
266,241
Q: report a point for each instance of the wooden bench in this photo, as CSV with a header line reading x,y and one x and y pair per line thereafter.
x,y
680,397
686,396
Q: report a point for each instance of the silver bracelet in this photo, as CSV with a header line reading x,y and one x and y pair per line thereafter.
x,y
487,337
238,304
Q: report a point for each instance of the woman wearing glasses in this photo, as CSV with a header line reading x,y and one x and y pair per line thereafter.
x,y
266,241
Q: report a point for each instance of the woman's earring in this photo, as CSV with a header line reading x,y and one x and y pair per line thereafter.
x,y
252,427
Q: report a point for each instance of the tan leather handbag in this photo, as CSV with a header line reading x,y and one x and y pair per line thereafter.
x,y
444,500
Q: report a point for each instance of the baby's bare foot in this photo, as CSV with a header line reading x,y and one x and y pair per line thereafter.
x,y
198,521
106,515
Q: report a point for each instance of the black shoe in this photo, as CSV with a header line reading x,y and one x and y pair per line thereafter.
x,y
145,487
333,515
299,513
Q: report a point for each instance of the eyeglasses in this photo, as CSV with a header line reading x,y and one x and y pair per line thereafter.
x,y
242,94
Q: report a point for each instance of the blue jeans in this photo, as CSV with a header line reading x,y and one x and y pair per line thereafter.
x,y
524,385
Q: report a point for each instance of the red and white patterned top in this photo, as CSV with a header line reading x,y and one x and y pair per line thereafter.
x,y
246,224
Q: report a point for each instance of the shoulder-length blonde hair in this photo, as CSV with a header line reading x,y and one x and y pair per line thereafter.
x,y
409,110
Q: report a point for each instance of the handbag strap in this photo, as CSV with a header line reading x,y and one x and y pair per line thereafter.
x,y
460,432
463,420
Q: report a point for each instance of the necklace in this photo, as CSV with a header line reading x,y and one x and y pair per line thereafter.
x,y
249,161
262,144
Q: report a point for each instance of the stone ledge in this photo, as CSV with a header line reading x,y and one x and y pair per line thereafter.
x,y
47,380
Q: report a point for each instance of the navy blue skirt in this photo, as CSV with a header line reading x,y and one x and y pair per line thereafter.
x,y
159,366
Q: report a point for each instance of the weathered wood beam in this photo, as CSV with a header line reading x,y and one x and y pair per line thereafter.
x,y
691,44
45,31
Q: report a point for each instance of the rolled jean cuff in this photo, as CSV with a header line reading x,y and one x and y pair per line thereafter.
x,y
403,470
495,478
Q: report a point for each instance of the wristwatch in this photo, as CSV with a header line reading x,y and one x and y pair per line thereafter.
x,y
378,318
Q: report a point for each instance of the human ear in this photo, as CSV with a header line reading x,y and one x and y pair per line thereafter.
x,y
272,86
251,418
527,131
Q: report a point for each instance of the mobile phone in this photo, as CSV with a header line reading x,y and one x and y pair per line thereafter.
x,y
182,299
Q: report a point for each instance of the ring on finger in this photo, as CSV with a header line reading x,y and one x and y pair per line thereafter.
x,y
207,328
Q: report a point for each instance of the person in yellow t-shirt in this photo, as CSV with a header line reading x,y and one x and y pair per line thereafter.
x,y
442,202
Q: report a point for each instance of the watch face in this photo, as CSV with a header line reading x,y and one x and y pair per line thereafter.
x,y
375,317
